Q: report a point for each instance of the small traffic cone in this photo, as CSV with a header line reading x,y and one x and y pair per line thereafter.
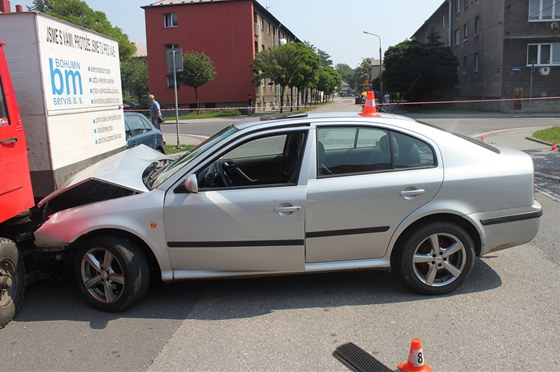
x,y
370,108
554,147
416,361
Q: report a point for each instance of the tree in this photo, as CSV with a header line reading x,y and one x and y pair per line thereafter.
x,y
325,58
79,13
294,65
433,36
133,76
422,70
198,70
347,74
278,64
306,74
329,80
362,73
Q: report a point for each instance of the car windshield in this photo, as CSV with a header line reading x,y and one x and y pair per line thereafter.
x,y
173,167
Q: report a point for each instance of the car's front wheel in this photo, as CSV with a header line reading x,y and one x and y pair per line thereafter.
x,y
435,258
112,272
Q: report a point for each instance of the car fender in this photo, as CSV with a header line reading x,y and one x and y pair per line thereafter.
x,y
432,210
131,214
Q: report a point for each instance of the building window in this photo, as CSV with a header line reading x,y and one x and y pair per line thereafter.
x,y
465,61
466,4
170,46
457,6
465,31
476,62
169,20
457,37
170,81
476,25
544,10
543,54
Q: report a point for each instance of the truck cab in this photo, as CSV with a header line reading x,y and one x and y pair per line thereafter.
x,y
16,194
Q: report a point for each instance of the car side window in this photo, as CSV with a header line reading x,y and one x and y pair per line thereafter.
x,y
4,120
351,150
263,161
136,125
412,152
354,150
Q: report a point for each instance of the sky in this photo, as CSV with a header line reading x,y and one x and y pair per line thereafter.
x,y
334,26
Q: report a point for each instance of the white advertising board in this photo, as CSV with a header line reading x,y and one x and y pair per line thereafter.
x,y
82,92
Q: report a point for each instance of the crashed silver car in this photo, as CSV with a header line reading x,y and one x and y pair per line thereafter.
x,y
299,194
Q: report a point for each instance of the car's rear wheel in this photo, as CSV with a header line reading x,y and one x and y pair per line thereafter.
x,y
435,258
12,284
112,272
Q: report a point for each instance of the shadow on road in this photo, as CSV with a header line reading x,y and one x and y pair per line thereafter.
x,y
239,298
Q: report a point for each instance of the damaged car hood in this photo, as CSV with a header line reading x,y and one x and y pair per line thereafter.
x,y
122,171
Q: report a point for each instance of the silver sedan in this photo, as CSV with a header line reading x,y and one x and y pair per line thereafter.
x,y
291,195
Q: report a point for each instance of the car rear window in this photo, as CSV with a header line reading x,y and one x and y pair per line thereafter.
x,y
466,138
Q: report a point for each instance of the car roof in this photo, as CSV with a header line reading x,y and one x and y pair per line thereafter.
x,y
342,118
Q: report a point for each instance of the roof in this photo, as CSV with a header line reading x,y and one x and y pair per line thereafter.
x,y
340,118
260,8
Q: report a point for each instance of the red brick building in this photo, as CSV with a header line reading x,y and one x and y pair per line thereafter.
x,y
230,32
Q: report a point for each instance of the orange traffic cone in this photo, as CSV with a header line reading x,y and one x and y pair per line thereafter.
x,y
370,109
416,361
554,147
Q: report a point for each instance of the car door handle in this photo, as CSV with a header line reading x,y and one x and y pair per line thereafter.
x,y
283,209
412,192
9,140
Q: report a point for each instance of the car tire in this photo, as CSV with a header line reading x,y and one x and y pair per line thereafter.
x,y
112,272
12,277
435,258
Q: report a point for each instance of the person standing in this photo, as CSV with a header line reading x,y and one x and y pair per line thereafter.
x,y
155,111
250,104
387,98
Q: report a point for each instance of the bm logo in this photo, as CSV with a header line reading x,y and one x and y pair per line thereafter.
x,y
65,77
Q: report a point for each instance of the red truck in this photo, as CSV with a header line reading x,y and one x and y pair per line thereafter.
x,y
16,195
69,97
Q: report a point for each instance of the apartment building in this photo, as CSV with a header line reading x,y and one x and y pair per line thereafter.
x,y
507,49
230,32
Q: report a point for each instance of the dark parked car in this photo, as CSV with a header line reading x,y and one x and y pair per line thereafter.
x,y
139,130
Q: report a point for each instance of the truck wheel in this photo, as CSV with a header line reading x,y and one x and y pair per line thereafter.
x,y
12,284
112,272
435,258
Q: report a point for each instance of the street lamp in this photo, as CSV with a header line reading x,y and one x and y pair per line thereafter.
x,y
380,69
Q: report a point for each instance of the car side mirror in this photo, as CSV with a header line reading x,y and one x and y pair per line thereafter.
x,y
191,184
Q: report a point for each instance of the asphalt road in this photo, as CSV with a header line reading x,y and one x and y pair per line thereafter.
x,y
505,317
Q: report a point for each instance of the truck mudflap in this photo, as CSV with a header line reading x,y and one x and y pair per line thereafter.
x,y
12,284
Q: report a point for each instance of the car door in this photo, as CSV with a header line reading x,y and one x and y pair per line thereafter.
x,y
358,198
15,183
249,212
